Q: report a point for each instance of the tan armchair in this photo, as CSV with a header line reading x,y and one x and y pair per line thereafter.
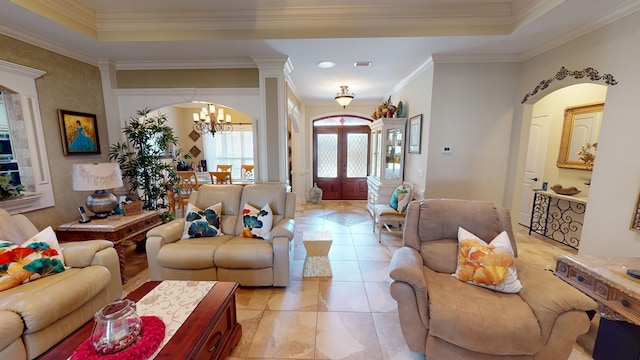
x,y
448,319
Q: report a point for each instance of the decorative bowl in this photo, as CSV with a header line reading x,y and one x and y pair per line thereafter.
x,y
558,189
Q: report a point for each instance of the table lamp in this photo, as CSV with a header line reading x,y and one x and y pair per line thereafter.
x,y
98,177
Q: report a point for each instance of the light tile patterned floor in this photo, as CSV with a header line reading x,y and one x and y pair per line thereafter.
x,y
350,315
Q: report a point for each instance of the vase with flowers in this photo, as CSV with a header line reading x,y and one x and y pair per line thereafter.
x,y
384,110
588,157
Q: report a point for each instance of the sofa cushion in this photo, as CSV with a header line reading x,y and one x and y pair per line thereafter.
x,y
244,253
38,257
257,222
192,254
229,196
490,265
202,223
11,327
43,302
458,312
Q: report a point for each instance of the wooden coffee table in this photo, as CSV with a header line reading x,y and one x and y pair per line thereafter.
x,y
211,331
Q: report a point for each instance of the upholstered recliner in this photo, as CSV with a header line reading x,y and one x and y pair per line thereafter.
x,y
229,257
446,318
36,315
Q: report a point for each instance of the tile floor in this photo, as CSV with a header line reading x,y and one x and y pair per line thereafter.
x,y
350,315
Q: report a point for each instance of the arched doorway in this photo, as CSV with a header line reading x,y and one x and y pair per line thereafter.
x,y
340,156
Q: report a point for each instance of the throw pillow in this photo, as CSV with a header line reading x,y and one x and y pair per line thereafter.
x,y
398,193
38,257
256,223
489,265
202,223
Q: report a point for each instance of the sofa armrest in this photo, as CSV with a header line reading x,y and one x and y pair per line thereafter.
x,y
156,239
169,232
548,296
406,265
11,328
79,254
285,228
409,289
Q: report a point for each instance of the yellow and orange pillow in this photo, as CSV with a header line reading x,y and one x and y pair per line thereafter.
x,y
489,265
38,257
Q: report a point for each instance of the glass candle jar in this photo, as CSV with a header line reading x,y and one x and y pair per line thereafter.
x,y
116,327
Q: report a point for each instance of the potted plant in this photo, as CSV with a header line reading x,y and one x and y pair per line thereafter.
x,y
142,159
9,191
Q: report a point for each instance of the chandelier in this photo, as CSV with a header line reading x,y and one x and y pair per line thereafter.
x,y
344,97
203,123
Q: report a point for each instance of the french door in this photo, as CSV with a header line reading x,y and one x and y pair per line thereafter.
x,y
340,161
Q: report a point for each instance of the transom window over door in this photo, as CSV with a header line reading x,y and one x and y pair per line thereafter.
x,y
341,146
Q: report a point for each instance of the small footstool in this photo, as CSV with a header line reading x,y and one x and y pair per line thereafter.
x,y
317,244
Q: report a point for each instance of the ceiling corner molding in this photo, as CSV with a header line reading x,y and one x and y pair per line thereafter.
x,y
47,45
72,14
476,58
180,65
424,66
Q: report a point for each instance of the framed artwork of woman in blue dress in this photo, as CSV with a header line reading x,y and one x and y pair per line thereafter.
x,y
79,132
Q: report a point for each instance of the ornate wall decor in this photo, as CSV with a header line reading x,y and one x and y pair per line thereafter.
x,y
590,73
195,151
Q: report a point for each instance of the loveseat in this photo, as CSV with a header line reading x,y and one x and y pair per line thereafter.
x,y
446,318
36,315
246,260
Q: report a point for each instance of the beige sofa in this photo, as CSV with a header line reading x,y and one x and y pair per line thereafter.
x,y
37,315
449,319
230,257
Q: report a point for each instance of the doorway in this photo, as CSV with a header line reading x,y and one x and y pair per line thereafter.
x,y
341,157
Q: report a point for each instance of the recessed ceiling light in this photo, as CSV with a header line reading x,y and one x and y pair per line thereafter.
x,y
326,64
362,63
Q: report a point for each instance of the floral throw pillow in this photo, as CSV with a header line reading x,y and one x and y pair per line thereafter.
x,y
202,223
38,257
489,265
256,222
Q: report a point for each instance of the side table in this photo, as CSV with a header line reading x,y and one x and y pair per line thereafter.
x,y
116,229
618,296
317,244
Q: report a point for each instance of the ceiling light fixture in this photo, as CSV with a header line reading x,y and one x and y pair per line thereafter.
x,y
326,64
344,97
202,121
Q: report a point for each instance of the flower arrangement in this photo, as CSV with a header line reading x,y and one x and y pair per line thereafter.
x,y
587,156
384,110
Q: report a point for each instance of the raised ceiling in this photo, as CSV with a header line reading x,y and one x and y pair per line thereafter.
x,y
397,37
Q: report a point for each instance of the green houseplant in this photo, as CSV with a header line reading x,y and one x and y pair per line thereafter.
x,y
8,191
142,159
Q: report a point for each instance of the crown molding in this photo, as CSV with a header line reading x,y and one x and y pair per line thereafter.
x,y
46,45
419,70
175,65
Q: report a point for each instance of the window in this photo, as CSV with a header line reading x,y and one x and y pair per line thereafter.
x,y
235,149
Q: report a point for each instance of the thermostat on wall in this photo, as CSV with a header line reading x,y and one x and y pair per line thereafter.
x,y
447,150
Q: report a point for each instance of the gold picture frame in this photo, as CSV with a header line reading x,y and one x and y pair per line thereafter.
x,y
635,219
79,132
569,143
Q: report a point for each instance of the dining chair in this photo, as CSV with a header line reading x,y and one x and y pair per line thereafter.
x,y
220,177
222,167
188,184
246,172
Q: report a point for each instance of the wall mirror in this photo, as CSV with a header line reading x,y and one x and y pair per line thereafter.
x,y
581,126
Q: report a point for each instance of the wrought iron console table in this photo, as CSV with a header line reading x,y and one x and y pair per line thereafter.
x,y
558,217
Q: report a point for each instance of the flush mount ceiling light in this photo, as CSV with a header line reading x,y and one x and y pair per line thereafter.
x,y
344,97
326,64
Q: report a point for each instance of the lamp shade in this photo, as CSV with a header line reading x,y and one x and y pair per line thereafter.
x,y
96,176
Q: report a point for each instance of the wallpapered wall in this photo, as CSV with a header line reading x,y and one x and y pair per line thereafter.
x,y
71,85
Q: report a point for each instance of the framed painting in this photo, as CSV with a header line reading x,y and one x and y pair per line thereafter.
x,y
415,134
79,132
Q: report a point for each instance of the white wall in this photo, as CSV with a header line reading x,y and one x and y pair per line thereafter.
x,y
472,112
416,96
555,105
616,176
